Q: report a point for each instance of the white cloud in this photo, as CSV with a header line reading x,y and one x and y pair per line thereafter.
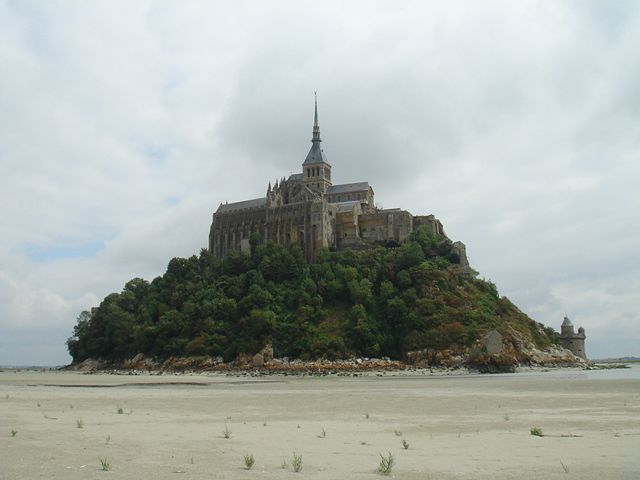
x,y
127,124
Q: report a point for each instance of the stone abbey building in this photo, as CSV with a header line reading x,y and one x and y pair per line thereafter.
x,y
307,209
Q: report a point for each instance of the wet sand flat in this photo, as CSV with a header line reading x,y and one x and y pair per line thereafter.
x,y
475,427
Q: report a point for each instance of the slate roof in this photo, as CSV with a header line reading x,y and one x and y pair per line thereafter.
x,y
567,322
315,155
348,187
296,177
231,207
347,206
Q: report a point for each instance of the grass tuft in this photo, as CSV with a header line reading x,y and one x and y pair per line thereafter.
x,y
386,463
14,433
226,433
249,461
405,444
296,463
323,434
105,465
536,431
79,423
120,411
564,467
398,433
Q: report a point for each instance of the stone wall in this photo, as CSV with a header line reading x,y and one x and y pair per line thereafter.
x,y
347,231
290,215
460,249
575,344
366,199
309,224
430,221
228,229
385,225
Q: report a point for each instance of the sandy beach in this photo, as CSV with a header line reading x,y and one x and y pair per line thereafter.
x,y
60,424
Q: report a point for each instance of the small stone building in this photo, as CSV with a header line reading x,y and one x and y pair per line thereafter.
x,y
308,210
572,341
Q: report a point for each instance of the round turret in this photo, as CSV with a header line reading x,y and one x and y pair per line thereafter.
x,y
567,327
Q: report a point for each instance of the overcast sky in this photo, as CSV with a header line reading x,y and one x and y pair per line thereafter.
x,y
123,125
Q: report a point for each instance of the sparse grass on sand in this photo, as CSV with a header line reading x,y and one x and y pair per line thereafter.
x,y
105,465
296,463
249,461
536,431
386,463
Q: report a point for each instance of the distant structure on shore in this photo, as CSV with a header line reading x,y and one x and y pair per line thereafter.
x,y
572,341
306,209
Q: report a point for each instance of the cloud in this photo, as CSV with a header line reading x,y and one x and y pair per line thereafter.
x,y
123,126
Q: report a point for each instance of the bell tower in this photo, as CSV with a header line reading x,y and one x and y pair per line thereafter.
x,y
316,171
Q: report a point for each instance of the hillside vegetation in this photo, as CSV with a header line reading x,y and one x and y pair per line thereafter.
x,y
377,302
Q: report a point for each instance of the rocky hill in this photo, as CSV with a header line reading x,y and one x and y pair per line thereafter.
x,y
413,303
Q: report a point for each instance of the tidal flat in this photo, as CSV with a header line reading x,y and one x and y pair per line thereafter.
x,y
69,425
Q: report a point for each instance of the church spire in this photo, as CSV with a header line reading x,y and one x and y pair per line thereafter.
x,y
316,127
315,155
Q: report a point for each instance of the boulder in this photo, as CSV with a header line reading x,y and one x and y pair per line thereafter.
x,y
90,365
492,342
134,363
258,360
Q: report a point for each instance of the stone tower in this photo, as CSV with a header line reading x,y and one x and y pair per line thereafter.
x,y
572,341
316,171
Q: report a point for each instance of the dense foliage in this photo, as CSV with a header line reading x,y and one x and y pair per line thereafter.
x,y
377,302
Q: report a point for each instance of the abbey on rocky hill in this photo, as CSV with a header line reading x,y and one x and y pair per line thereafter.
x,y
307,209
